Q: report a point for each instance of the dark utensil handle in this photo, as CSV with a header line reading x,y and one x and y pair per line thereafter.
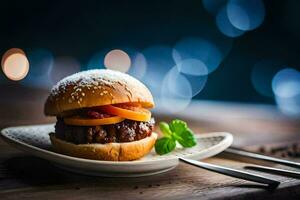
x,y
249,154
273,170
233,172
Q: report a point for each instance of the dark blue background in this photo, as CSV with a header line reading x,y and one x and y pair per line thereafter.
x,y
81,28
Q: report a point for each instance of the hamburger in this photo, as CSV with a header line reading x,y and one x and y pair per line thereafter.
x,y
101,115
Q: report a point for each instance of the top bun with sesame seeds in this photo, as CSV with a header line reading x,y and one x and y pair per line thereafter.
x,y
96,88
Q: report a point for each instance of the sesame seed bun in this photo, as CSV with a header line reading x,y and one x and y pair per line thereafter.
x,y
96,88
111,151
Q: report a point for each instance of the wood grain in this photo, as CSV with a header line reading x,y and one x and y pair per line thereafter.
x,y
25,177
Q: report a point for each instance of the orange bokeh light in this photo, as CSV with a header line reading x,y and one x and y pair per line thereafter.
x,y
15,64
117,60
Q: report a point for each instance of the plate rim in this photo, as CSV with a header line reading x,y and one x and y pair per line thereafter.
x,y
37,150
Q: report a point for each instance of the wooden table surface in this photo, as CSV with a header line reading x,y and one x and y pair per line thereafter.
x,y
23,176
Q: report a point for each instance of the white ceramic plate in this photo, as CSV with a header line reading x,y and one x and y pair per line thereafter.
x,y
35,140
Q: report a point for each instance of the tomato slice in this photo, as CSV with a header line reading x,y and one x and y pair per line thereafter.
x,y
127,111
79,121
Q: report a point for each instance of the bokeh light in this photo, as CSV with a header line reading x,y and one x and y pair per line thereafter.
x,y
225,26
15,64
203,50
159,61
173,81
213,6
197,82
195,72
286,88
175,88
138,65
177,84
41,62
62,67
263,73
286,77
117,60
192,66
245,14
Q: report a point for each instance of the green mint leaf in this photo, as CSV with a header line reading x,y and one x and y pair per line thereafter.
x,y
164,127
164,145
186,138
178,131
178,126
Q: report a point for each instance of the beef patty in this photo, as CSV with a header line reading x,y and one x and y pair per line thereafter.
x,y
125,131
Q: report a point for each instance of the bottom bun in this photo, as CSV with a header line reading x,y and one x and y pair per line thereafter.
x,y
110,151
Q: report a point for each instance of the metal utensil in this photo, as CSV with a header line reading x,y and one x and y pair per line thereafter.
x,y
273,170
232,172
241,152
